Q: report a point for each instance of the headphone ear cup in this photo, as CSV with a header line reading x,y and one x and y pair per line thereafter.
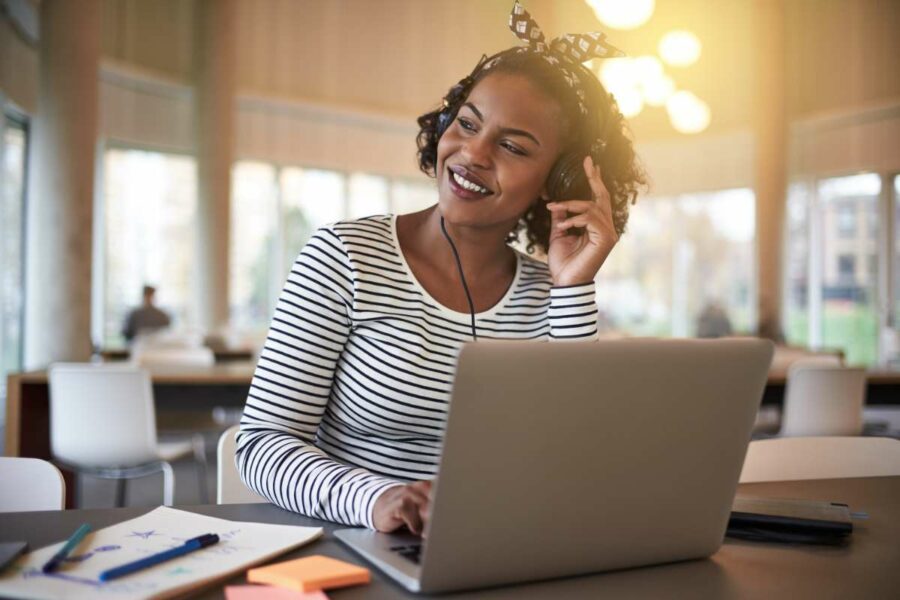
x,y
443,122
567,180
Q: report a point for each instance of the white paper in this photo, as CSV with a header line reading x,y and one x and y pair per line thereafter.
x,y
240,546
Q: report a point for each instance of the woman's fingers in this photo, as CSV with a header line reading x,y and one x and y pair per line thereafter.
x,y
408,512
407,505
572,206
601,194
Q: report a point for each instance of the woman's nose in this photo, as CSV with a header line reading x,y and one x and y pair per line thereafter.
x,y
477,151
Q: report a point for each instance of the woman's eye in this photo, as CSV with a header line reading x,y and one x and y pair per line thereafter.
x,y
514,149
465,124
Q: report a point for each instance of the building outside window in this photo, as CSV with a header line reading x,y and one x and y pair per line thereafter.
x,y
149,214
847,268
13,161
846,219
832,265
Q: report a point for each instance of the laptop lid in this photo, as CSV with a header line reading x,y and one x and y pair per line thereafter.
x,y
569,458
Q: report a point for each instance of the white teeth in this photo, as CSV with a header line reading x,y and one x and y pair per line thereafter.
x,y
468,184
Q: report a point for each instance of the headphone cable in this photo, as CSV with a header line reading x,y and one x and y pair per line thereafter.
x,y
462,277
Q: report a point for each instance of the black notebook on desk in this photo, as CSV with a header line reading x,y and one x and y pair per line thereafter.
x,y
789,521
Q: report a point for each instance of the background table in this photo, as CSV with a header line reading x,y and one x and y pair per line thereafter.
x,y
868,567
227,384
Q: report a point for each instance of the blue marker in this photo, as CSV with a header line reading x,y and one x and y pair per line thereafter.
x,y
189,546
63,552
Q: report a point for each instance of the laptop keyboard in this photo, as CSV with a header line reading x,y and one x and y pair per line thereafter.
x,y
411,552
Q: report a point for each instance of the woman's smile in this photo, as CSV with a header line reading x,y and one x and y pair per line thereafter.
x,y
466,184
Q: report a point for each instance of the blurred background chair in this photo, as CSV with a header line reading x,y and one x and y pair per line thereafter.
x,y
794,459
103,424
30,484
229,487
823,399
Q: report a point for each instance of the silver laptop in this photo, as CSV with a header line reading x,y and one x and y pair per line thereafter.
x,y
571,458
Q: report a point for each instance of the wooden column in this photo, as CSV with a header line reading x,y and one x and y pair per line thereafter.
x,y
215,118
770,123
61,185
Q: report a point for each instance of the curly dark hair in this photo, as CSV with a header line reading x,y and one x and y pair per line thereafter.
x,y
619,166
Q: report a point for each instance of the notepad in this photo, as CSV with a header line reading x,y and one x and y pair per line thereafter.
x,y
269,592
310,574
241,545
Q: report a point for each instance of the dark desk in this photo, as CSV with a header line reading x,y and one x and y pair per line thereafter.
x,y
869,567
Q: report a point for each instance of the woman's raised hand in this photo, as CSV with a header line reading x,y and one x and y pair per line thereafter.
x,y
575,259
408,505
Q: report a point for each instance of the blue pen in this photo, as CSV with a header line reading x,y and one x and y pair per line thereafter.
x,y
189,546
63,552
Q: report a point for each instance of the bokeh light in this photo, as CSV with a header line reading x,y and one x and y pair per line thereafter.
x,y
680,48
687,112
657,91
623,14
630,101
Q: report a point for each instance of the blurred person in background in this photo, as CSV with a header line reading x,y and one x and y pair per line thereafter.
x,y
146,318
713,321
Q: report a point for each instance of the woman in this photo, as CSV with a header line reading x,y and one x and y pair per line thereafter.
x,y
346,411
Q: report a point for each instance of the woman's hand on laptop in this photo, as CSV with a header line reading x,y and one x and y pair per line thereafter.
x,y
408,505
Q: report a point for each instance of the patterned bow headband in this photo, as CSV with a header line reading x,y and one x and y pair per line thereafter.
x,y
576,48
567,52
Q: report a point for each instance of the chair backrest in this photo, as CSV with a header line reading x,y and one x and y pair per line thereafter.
x,y
229,487
823,400
30,484
101,415
793,459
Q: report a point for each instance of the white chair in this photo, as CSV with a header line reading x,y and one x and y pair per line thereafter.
x,y
103,423
822,399
794,459
229,488
30,484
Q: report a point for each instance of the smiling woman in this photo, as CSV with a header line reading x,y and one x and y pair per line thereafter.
x,y
346,412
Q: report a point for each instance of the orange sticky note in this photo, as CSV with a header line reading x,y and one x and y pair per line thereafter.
x,y
268,592
310,574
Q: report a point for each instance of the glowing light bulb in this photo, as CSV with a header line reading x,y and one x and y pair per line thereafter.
x,y
630,101
658,90
687,112
623,14
647,69
618,73
680,48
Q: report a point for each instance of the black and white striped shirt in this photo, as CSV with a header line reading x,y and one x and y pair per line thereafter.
x,y
351,392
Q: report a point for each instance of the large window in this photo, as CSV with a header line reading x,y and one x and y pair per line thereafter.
x,y
682,258
149,209
275,210
832,258
13,152
796,280
895,321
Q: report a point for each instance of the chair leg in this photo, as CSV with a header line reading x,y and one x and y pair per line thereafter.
x,y
120,492
200,465
76,489
168,484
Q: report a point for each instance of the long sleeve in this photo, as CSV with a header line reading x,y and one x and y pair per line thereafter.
x,y
290,392
573,313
